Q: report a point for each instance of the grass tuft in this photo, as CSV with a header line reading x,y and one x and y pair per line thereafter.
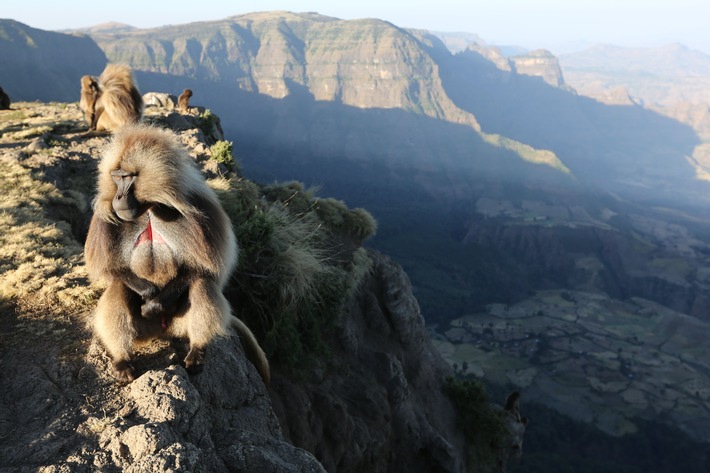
x,y
288,287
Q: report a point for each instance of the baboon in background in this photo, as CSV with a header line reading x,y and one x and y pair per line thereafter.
x,y
161,240
184,100
4,100
515,425
87,102
112,100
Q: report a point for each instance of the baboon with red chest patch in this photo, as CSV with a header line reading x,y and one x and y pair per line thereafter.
x,y
161,241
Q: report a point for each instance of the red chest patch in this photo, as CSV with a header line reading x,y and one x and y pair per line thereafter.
x,y
148,235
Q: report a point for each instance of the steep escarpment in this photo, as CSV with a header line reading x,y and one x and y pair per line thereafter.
x,y
380,405
624,252
361,63
538,63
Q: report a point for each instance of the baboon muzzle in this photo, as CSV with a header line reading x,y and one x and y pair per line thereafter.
x,y
124,202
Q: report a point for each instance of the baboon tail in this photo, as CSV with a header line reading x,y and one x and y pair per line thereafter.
x,y
252,349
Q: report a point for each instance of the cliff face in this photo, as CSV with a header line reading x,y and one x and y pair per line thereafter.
x,y
362,63
540,63
377,404
381,407
629,254
43,65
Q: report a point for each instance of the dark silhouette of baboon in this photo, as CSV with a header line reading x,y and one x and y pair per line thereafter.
x,y
184,100
4,100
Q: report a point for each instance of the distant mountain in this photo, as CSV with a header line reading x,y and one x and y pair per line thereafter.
x,y
673,79
537,63
458,41
110,28
671,61
276,53
44,65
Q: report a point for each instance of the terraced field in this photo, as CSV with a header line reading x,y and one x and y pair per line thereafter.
x,y
596,359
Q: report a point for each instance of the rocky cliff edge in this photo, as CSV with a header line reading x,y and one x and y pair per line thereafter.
x,y
377,404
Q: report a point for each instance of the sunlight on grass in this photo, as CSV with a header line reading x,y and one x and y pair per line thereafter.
x,y
526,152
40,262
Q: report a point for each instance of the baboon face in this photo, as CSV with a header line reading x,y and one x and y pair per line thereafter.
x,y
124,201
89,96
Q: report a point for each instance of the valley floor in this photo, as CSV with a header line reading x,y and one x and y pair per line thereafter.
x,y
593,358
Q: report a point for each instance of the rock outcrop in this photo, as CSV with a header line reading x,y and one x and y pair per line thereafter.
x,y
381,405
540,63
60,410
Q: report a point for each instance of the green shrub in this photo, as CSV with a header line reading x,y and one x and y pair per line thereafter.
x,y
222,152
287,288
293,196
357,223
482,424
207,121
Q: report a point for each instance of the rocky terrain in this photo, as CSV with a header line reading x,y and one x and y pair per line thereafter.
x,y
376,404
610,316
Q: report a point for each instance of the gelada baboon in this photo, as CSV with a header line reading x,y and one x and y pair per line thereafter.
x,y
515,425
162,242
112,100
184,100
4,100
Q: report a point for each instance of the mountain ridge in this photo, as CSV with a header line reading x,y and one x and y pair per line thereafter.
x,y
672,80
44,65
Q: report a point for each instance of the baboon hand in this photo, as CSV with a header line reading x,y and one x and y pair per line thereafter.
x,y
166,299
152,308
145,289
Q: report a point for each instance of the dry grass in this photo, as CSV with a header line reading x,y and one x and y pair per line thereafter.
x,y
40,262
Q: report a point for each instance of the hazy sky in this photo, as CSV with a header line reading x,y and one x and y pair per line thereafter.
x,y
554,24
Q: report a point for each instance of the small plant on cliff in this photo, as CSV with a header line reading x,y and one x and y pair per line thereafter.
x,y
482,424
358,223
207,121
222,152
